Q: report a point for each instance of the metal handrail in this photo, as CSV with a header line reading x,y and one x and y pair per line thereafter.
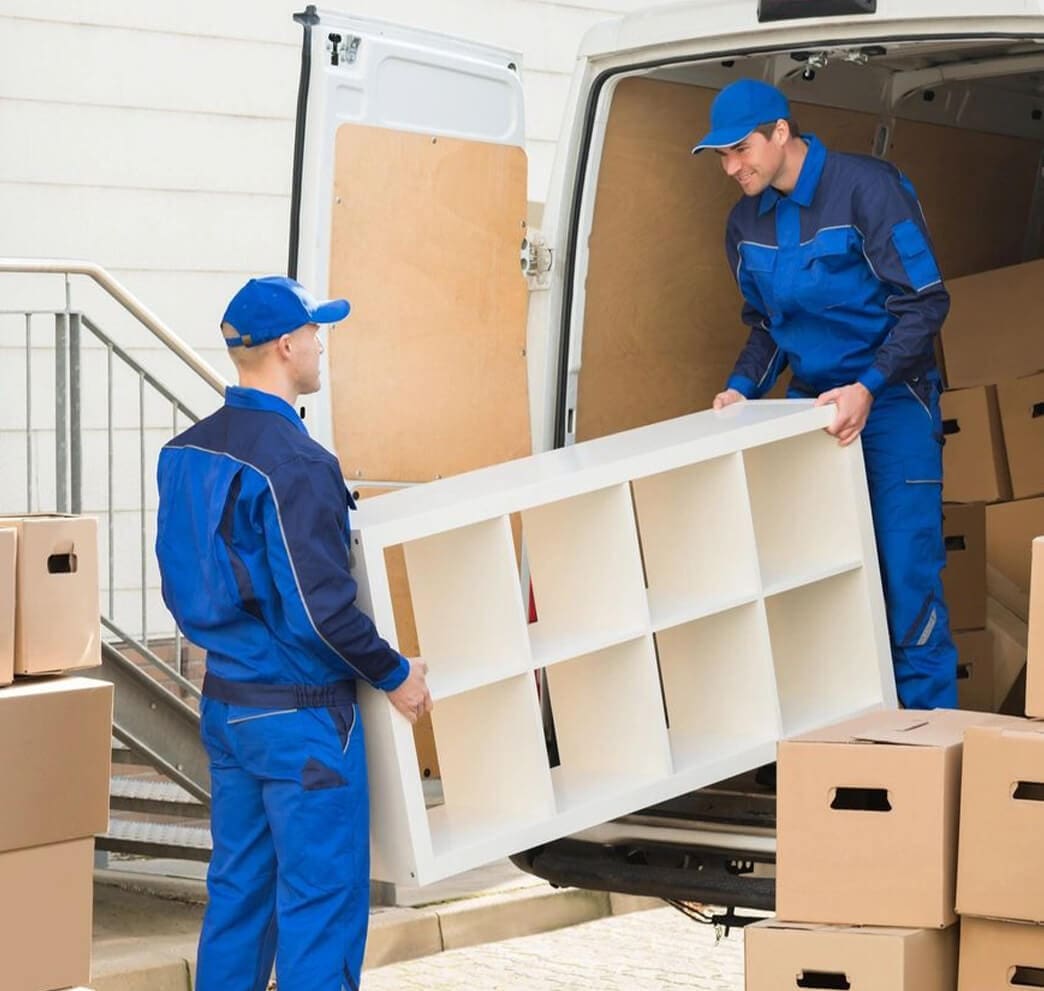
x,y
154,659
127,299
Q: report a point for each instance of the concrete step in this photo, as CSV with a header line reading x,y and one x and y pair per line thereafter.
x,y
151,839
162,798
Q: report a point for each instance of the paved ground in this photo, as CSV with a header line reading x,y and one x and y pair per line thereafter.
x,y
644,951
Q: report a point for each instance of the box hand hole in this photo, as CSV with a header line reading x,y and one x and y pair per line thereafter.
x,y
823,979
859,800
1027,977
1029,791
61,564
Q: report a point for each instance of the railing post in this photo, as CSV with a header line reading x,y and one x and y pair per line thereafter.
x,y
75,413
28,413
61,412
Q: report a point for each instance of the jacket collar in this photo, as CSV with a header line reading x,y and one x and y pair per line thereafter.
x,y
808,180
255,399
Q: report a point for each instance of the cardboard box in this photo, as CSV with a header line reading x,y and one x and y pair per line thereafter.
x,y
1021,405
57,624
1010,530
782,955
1035,643
992,333
866,830
46,915
964,577
8,551
1000,870
999,956
56,739
975,670
975,466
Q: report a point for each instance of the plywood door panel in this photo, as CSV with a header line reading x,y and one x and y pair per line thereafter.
x,y
428,374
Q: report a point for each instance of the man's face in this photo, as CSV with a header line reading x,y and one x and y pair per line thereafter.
x,y
306,350
754,162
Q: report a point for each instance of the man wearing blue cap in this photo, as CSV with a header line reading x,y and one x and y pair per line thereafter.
x,y
839,281
253,546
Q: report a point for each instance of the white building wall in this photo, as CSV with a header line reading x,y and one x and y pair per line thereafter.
x,y
156,139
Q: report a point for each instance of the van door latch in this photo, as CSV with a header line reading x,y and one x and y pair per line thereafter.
x,y
537,260
343,48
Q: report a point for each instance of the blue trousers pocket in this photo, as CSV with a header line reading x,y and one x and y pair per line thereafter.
x,y
315,776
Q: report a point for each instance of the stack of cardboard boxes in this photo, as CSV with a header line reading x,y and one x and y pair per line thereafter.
x,y
891,824
1000,874
993,470
55,737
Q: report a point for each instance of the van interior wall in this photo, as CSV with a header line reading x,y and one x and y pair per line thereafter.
x,y
661,327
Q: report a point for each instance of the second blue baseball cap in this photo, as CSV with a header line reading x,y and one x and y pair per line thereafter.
x,y
739,108
269,307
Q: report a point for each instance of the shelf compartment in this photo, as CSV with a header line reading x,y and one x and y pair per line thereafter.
x,y
727,656
697,539
587,574
493,762
830,662
609,724
467,604
804,506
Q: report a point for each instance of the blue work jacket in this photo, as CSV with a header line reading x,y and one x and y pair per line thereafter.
x,y
838,279
253,546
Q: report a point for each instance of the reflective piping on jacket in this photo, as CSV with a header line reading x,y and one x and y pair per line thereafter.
x,y
835,227
260,715
862,247
768,368
282,532
929,626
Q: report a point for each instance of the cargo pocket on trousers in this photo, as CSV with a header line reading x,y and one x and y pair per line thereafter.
x,y
915,613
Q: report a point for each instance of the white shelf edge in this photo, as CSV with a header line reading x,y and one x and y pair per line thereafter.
x,y
544,657
780,586
594,813
561,474
462,685
709,608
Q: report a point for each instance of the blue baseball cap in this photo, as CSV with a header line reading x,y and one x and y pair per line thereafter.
x,y
741,107
269,307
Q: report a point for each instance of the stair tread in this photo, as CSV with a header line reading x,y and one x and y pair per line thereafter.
x,y
154,791
168,834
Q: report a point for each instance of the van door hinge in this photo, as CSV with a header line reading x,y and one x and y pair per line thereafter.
x,y
343,48
537,260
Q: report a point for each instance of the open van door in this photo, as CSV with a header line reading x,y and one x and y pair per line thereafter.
x,y
410,199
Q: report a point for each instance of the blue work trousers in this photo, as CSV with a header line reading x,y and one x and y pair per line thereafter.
x,y
902,449
289,875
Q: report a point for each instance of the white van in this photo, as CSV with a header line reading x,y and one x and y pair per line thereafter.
x,y
410,190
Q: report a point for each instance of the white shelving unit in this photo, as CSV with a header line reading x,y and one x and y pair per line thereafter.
x,y
703,587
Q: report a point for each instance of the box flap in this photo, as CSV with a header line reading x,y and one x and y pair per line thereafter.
x,y
910,727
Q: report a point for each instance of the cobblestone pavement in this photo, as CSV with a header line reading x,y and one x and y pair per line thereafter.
x,y
643,951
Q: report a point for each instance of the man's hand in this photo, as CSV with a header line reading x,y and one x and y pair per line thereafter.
x,y
727,398
853,407
412,697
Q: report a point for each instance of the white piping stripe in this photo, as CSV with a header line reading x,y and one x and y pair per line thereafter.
x,y
772,361
919,399
261,715
282,532
835,227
